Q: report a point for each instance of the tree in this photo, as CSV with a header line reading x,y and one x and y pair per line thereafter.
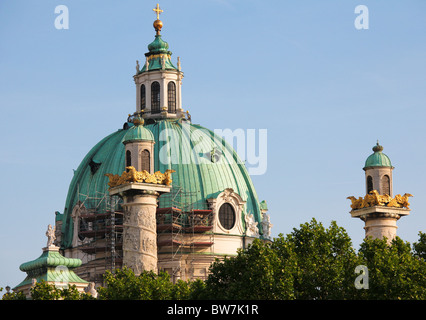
x,y
123,284
420,247
255,273
316,263
325,262
310,263
394,271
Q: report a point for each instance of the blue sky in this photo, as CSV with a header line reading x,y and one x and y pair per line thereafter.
x,y
324,91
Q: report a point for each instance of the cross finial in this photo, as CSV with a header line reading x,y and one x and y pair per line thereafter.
x,y
157,10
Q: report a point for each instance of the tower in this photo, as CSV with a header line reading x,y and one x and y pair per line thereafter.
x,y
378,172
139,147
379,209
159,82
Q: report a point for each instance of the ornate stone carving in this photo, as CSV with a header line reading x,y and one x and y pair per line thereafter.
x,y
266,226
375,199
140,176
251,226
50,233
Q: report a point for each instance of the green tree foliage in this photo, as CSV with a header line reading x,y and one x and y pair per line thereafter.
x,y
317,263
312,262
395,272
256,273
123,284
45,291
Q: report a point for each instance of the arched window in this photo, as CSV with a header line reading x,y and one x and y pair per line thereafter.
x,y
171,93
145,160
369,184
155,97
143,97
128,158
385,185
227,216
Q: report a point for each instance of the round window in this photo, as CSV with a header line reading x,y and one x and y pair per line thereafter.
x,y
227,216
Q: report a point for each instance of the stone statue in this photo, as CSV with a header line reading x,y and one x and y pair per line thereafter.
x,y
137,67
147,64
90,290
50,233
178,63
163,63
373,198
251,225
266,226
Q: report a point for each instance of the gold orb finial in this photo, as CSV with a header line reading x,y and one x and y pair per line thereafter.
x,y
158,24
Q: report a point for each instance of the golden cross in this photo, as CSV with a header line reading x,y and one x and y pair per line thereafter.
x,y
157,11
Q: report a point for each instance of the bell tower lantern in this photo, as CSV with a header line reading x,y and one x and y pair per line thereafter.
x,y
378,172
379,209
158,83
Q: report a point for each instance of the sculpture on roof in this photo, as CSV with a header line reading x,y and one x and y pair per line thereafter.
x,y
251,226
50,233
373,198
266,226
132,175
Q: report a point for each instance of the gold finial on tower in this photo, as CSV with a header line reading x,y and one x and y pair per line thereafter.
x,y
157,11
158,24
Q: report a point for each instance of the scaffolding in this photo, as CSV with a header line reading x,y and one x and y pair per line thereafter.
x,y
100,232
183,226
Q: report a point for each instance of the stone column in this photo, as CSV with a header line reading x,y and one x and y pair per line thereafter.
x,y
140,232
380,221
140,224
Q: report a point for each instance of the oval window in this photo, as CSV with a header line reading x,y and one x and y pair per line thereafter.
x,y
227,216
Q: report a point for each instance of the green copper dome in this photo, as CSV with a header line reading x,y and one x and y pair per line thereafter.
x,y
138,133
180,146
158,46
158,54
378,159
51,266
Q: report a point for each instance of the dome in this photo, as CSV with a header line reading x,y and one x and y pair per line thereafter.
x,y
158,46
138,133
198,172
378,159
158,50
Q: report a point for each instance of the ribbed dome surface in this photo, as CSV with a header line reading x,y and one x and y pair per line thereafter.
x,y
378,158
183,147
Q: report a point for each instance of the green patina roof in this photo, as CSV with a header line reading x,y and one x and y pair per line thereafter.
x,y
50,259
263,205
378,158
196,173
158,50
138,133
51,266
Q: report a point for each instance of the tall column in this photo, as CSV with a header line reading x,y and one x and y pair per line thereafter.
x,y
139,224
140,234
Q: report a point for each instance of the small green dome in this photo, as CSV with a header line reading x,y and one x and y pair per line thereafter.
x,y
158,50
138,133
378,159
158,46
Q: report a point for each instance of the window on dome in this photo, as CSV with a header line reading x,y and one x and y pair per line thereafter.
x,y
386,185
171,92
369,184
128,158
227,216
145,160
155,97
143,97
